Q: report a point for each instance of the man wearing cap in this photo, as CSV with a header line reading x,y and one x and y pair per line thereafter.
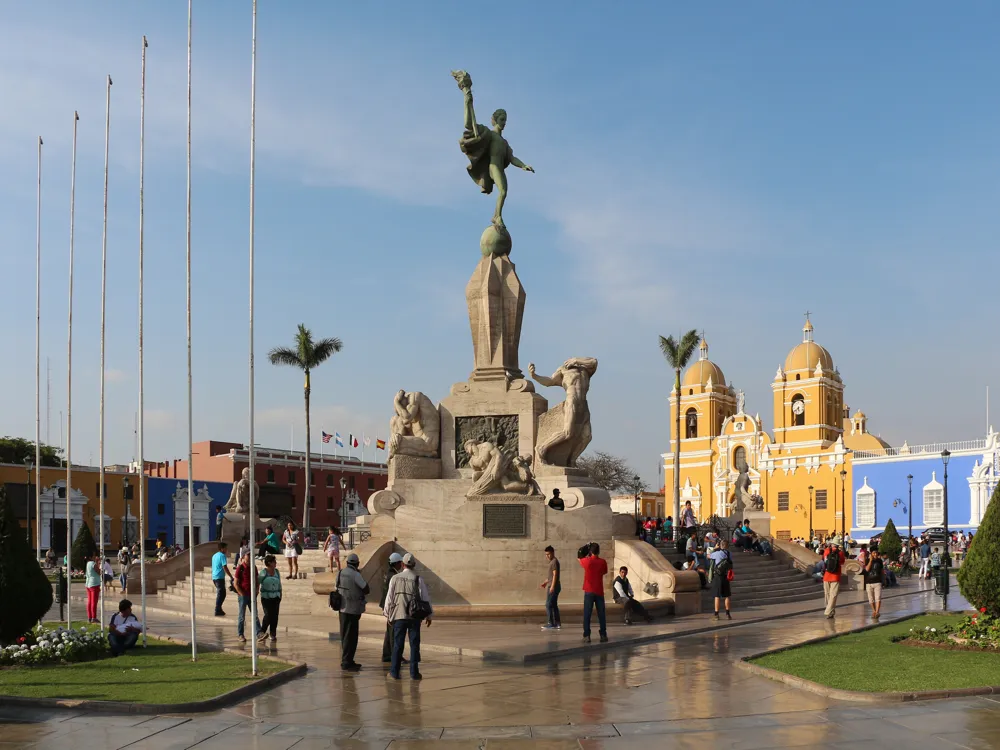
x,y
831,578
405,590
352,588
395,564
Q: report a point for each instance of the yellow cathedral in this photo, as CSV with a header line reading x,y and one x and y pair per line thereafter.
x,y
800,473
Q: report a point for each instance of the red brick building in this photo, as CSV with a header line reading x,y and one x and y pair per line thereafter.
x,y
281,476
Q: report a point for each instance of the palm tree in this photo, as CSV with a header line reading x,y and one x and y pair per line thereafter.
x,y
678,354
307,355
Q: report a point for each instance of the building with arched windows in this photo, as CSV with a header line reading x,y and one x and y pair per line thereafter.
x,y
803,472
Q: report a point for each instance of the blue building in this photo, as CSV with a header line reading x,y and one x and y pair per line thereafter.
x,y
168,509
882,487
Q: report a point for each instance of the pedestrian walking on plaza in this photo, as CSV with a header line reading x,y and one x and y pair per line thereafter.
x,y
553,586
407,605
93,584
293,548
833,563
270,598
925,558
220,516
245,595
395,565
331,546
624,595
220,569
353,589
721,572
873,581
594,570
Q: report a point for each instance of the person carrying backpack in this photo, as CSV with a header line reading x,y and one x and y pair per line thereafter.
x,y
721,573
833,563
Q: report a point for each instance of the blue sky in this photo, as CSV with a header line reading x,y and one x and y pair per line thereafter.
x,y
714,168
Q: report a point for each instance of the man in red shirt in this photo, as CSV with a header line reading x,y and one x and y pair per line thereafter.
x,y
831,579
594,570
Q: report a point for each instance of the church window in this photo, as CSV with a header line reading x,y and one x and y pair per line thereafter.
x,y
739,458
798,410
798,376
933,503
782,501
691,421
690,391
864,503
820,499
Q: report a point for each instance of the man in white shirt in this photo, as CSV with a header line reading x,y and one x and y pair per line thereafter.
x,y
625,596
404,599
124,629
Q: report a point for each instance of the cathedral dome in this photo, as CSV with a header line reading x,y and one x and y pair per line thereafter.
x,y
699,373
807,355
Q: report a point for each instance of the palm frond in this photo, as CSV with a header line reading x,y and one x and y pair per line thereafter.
x,y
284,356
687,346
678,353
322,350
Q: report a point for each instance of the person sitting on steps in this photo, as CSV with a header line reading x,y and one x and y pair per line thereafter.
x,y
625,596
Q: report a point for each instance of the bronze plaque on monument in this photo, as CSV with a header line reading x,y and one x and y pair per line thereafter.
x,y
503,521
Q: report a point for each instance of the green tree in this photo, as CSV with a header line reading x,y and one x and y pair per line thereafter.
x,y
979,576
84,548
14,450
890,546
25,592
306,355
678,354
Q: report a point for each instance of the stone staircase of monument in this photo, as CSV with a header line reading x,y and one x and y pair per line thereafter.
x,y
297,594
760,581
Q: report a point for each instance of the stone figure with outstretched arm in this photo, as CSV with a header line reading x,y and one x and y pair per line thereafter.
x,y
488,151
575,433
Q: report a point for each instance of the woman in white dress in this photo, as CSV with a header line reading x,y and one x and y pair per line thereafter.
x,y
293,548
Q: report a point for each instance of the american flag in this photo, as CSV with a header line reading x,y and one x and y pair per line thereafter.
x,y
327,437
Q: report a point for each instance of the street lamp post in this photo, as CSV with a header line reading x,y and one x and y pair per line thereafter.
x,y
945,456
343,504
810,513
843,504
125,497
909,509
28,465
638,495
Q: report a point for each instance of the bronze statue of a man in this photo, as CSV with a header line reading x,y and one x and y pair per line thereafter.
x,y
488,151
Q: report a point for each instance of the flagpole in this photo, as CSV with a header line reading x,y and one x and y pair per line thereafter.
x,y
69,386
190,488
140,431
253,506
38,361
104,287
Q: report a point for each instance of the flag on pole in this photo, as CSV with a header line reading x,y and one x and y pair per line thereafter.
x,y
339,440
327,437
379,444
368,441
353,441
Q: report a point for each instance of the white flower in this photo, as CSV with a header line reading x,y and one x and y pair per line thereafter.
x,y
933,630
927,627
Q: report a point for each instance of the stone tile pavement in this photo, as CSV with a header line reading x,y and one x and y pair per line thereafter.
x,y
679,693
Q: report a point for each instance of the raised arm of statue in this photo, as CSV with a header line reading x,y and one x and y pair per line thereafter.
x,y
556,379
464,81
520,164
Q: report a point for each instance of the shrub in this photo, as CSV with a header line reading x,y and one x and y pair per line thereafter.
x,y
84,548
890,546
43,646
25,592
979,576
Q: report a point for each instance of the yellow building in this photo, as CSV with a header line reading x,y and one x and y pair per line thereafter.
x,y
800,473
84,502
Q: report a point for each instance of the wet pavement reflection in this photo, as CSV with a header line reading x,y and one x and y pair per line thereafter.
x,y
685,693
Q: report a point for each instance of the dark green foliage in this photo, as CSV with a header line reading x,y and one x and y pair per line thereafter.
x,y
891,546
25,592
84,548
979,576
15,450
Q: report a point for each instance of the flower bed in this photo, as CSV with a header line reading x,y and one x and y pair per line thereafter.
x,y
45,646
977,632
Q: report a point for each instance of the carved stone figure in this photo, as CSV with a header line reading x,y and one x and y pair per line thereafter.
x,y
741,496
239,498
740,401
415,430
564,431
488,151
495,471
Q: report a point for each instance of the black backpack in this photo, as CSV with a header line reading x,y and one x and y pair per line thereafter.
x,y
832,562
336,598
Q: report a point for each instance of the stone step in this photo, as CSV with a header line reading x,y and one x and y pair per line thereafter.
x,y
756,587
205,603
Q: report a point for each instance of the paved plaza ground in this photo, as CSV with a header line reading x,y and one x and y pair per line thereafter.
x,y
678,693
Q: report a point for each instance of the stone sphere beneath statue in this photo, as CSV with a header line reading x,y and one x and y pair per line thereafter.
x,y
495,241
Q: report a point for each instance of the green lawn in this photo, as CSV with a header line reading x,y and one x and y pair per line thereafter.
x,y
870,662
161,673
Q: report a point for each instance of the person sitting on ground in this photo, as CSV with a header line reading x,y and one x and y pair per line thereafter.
x,y
271,544
123,629
624,595
695,563
691,545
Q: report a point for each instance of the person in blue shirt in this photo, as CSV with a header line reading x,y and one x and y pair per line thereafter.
x,y
220,569
925,559
220,516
